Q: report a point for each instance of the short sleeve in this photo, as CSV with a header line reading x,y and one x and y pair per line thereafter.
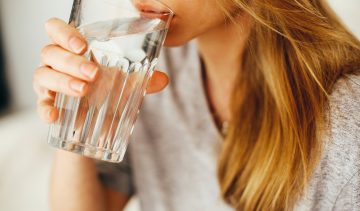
x,y
117,176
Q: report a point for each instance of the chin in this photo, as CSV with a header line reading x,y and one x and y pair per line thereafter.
x,y
174,38
170,42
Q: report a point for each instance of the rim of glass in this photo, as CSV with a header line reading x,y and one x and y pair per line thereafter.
x,y
74,14
169,10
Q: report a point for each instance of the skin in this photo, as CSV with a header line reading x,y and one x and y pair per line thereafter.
x,y
64,70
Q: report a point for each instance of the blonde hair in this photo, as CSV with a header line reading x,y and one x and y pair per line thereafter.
x,y
296,52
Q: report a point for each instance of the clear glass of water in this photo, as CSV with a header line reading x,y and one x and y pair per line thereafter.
x,y
124,37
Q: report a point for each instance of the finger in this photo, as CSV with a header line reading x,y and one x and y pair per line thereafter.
x,y
47,111
158,82
59,82
65,35
42,92
69,63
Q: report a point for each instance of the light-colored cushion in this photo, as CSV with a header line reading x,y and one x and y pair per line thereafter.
x,y
25,163
25,160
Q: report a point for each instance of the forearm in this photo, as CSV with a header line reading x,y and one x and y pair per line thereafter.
x,y
74,184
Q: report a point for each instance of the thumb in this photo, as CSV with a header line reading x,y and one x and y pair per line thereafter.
x,y
158,82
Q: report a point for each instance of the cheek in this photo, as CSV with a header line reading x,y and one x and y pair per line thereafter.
x,y
192,19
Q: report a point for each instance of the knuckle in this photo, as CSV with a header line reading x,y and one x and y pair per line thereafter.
x,y
39,102
38,89
42,113
50,22
69,60
65,85
73,63
36,76
85,91
48,101
45,52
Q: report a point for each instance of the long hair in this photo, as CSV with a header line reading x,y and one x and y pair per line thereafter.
x,y
296,52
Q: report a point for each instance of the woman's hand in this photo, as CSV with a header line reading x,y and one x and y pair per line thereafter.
x,y
63,69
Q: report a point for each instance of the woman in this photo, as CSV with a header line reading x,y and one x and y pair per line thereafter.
x,y
262,110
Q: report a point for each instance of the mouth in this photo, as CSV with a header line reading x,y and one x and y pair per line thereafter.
x,y
152,12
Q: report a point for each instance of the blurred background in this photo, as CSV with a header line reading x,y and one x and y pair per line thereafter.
x,y
25,157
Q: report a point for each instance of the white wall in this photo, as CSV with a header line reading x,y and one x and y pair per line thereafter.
x,y
24,35
349,11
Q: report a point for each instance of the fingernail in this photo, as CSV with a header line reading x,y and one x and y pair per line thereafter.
x,y
89,69
77,45
77,86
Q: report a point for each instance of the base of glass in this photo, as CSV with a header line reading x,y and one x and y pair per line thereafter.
x,y
88,151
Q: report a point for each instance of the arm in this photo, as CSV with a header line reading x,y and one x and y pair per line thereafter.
x,y
75,186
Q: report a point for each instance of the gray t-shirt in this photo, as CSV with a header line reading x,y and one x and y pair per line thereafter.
x,y
172,158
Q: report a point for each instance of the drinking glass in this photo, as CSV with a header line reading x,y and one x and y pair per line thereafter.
x,y
124,38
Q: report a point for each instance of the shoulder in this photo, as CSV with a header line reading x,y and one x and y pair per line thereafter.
x,y
345,95
343,144
342,136
344,111
339,165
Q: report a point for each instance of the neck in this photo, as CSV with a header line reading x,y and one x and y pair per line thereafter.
x,y
221,50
